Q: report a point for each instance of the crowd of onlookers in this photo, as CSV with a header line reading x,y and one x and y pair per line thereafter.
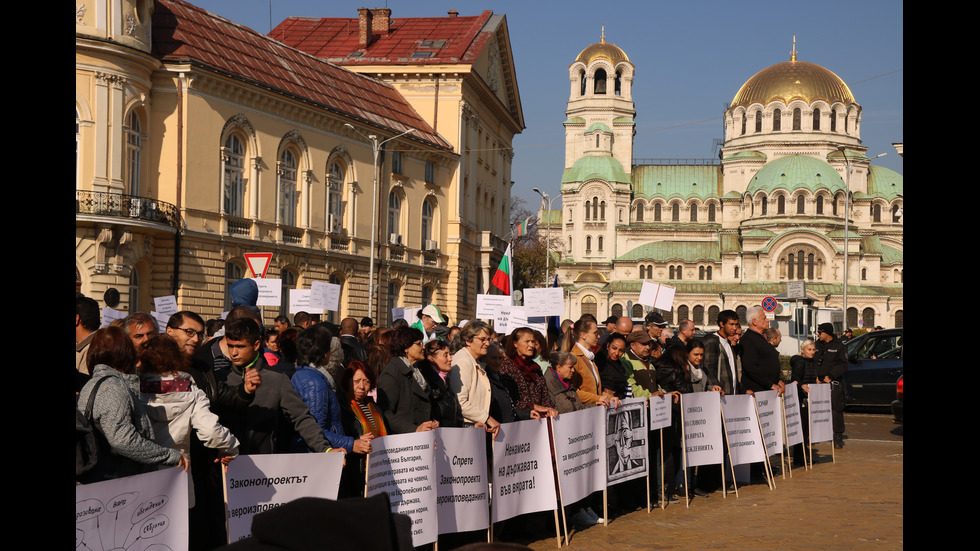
x,y
197,393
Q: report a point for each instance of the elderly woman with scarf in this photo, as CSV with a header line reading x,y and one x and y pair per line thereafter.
x,y
521,375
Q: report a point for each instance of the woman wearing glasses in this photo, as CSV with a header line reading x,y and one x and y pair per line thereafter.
x,y
403,392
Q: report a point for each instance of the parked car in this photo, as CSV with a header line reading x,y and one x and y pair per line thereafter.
x,y
898,405
874,364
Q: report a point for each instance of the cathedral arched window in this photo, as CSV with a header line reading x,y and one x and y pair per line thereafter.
x,y
588,212
777,120
852,317
617,310
896,213
670,273
876,212
711,212
810,267
637,311
758,121
833,120
797,119
602,210
694,212
744,121
790,266
639,212
707,272
600,82
619,83
569,244
764,210
713,312
595,208
735,272
816,120
800,205
701,273
657,212
582,81
588,244
820,204
698,315
675,213
868,315
781,204
683,312
600,243
864,274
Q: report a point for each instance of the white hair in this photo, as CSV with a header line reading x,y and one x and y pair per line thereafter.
x,y
753,312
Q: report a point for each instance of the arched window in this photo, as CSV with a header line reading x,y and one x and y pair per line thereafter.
x,y
810,266
675,213
617,310
852,317
619,83
595,208
819,204
741,311
588,244
713,312
708,273
711,212
800,205
600,82
899,318
639,212
426,295
896,213
735,272
799,264
833,120
790,266
233,160
288,193
698,317
694,212
134,153
744,121
781,204
581,77
758,121
683,312
602,210
671,273
637,311
868,316
864,274
679,272
765,206
657,212
816,120
643,271
588,213
600,243
569,244
426,223
876,212
701,273
589,305
797,118
777,120
335,187
394,213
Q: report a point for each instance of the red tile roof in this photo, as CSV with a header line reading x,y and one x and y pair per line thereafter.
x,y
335,38
186,33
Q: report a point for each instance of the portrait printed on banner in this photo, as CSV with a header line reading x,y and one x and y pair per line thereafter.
x,y
626,442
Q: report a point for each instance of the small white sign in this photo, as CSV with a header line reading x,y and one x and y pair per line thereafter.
x,y
109,315
549,301
657,295
325,296
299,300
270,291
519,318
489,306
166,306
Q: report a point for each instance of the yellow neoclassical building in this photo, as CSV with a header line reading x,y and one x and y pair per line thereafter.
x,y
199,140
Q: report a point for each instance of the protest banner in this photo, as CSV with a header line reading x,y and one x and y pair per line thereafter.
x,y
270,291
402,466
299,300
580,458
489,306
821,416
548,301
109,315
166,306
257,483
148,508
519,317
523,479
324,296
657,295
462,489
660,408
742,427
161,319
701,414
792,415
626,441
770,411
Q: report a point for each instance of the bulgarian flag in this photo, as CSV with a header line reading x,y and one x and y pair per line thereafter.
x,y
521,229
501,279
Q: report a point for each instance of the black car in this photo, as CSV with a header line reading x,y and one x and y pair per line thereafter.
x,y
874,364
898,406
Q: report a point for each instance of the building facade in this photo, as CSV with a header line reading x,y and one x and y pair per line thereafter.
x,y
198,140
729,232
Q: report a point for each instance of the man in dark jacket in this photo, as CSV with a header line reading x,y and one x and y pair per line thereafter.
x,y
257,425
353,349
760,360
719,362
830,365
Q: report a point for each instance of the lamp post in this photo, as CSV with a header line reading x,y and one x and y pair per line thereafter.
x,y
847,216
547,246
376,146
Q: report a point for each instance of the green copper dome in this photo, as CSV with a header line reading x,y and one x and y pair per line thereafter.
x,y
795,172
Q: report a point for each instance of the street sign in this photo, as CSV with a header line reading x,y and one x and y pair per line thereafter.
x,y
769,304
258,263
796,289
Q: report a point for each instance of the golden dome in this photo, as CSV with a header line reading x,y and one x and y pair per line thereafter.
x,y
602,50
792,80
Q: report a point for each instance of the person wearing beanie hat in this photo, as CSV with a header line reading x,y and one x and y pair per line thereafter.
x,y
830,365
244,292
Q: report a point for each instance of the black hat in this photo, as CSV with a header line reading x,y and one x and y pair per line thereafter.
x,y
611,319
656,319
826,327
367,322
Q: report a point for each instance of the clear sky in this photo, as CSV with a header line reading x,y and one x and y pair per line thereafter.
x,y
691,58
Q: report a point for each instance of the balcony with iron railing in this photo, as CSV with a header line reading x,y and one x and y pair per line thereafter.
x,y
131,207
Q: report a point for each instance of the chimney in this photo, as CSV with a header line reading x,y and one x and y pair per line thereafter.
x,y
453,13
382,21
364,31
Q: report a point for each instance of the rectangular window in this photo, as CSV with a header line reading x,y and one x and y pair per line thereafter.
x,y
396,162
430,172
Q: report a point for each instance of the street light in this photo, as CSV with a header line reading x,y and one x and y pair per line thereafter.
x,y
547,247
376,146
847,215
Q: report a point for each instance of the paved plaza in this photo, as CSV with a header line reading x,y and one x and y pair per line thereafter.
x,y
855,503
